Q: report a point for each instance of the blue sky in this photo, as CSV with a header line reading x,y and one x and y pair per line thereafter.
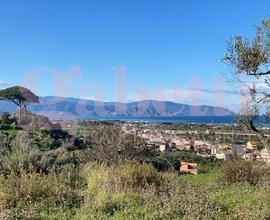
x,y
159,44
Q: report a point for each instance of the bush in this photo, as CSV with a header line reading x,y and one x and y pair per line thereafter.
x,y
110,145
29,194
127,175
244,171
138,175
137,191
120,189
7,119
47,140
171,160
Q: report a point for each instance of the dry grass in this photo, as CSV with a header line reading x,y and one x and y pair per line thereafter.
x,y
129,190
26,195
244,171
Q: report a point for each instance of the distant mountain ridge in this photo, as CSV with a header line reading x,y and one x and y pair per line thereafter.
x,y
70,108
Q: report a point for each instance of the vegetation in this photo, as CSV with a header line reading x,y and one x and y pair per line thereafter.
x,y
56,175
243,171
19,96
250,60
170,161
99,172
28,194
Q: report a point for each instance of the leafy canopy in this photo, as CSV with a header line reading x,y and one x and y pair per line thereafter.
x,y
250,63
18,95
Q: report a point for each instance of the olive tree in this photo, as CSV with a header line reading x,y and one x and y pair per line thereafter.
x,y
250,63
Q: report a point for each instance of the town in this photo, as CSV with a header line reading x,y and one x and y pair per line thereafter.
x,y
135,110
208,141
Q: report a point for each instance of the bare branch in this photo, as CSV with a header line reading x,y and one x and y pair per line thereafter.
x,y
259,74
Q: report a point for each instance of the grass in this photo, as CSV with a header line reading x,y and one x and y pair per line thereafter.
x,y
129,190
230,196
200,180
238,200
126,190
201,196
225,192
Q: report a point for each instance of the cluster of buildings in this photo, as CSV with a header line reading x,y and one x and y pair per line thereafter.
x,y
168,140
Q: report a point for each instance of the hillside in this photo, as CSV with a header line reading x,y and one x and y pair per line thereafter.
x,y
58,107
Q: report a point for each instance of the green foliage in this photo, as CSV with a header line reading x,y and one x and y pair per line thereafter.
x,y
29,194
18,95
120,191
47,140
129,190
110,195
7,122
41,140
43,150
171,160
129,175
7,119
250,60
243,171
54,175
110,145
137,175
248,56
235,200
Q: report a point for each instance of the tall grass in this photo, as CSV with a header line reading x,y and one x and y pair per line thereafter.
x,y
137,191
244,171
28,194
128,190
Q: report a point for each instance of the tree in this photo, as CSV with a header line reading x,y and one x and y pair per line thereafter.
x,y
19,95
6,118
250,63
109,144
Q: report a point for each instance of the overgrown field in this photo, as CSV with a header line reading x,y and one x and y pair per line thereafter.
x,y
129,191
102,174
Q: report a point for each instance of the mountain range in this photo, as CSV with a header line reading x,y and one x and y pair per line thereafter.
x,y
70,108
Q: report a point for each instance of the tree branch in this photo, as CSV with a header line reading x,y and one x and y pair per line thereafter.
x,y
16,103
265,96
259,74
261,136
248,123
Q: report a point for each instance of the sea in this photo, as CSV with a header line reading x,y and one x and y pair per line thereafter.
x,y
182,119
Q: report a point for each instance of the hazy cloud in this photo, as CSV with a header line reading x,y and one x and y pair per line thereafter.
x,y
226,91
228,98
4,85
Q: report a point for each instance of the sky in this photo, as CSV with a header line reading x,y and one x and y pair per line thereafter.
x,y
125,50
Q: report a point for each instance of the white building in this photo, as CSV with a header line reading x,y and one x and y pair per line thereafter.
x,y
223,154
265,155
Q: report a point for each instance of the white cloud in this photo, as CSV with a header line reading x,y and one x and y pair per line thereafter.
x,y
4,85
228,98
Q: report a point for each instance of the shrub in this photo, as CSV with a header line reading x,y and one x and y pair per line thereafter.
x,y
136,175
244,171
28,194
7,119
128,175
46,140
117,190
171,160
137,191
110,145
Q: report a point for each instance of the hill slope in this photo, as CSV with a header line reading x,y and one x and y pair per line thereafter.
x,y
58,107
